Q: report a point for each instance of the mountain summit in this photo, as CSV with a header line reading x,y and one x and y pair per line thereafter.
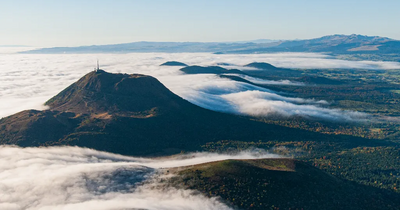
x,y
101,92
353,38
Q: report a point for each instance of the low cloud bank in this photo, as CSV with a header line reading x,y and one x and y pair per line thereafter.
x,y
27,81
260,104
266,82
78,178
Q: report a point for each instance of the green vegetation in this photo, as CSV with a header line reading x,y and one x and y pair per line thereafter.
x,y
370,130
173,63
365,168
280,184
372,57
375,92
374,166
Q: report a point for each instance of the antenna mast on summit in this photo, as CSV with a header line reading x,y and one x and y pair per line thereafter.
x,y
97,67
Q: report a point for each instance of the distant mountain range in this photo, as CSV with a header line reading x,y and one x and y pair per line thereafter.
x,y
260,41
169,47
333,44
336,44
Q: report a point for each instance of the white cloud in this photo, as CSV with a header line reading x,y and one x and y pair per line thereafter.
x,y
78,178
27,81
266,82
258,103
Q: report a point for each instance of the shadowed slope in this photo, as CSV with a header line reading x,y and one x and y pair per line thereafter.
x,y
99,92
209,70
173,63
268,70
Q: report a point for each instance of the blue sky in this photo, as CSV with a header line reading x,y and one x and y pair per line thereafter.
x,y
87,22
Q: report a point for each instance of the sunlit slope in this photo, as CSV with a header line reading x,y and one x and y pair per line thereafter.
x,y
280,183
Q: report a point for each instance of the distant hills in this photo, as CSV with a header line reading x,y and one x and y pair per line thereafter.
x,y
209,70
333,44
168,47
137,115
267,70
264,66
336,44
173,63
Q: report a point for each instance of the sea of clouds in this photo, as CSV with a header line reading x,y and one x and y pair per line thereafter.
x,y
79,179
28,80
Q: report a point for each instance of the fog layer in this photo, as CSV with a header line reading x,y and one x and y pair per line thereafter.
x,y
27,81
77,178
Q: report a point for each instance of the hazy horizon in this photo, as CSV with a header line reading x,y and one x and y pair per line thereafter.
x,y
238,41
75,23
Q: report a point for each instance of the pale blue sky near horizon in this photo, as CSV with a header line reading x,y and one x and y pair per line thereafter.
x,y
45,23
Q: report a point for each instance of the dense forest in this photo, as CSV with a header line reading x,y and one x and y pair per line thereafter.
x,y
374,166
280,184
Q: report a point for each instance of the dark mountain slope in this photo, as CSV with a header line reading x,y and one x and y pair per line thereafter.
x,y
137,115
209,70
100,92
264,70
34,128
263,66
280,184
268,70
173,63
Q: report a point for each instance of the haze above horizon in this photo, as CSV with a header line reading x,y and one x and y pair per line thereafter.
x,y
45,23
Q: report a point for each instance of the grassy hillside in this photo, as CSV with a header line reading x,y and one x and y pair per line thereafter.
x,y
281,184
373,166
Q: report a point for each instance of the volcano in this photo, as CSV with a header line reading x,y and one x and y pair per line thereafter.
x,y
134,114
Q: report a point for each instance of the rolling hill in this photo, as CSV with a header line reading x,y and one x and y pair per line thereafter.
x,y
279,184
209,70
173,63
260,69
